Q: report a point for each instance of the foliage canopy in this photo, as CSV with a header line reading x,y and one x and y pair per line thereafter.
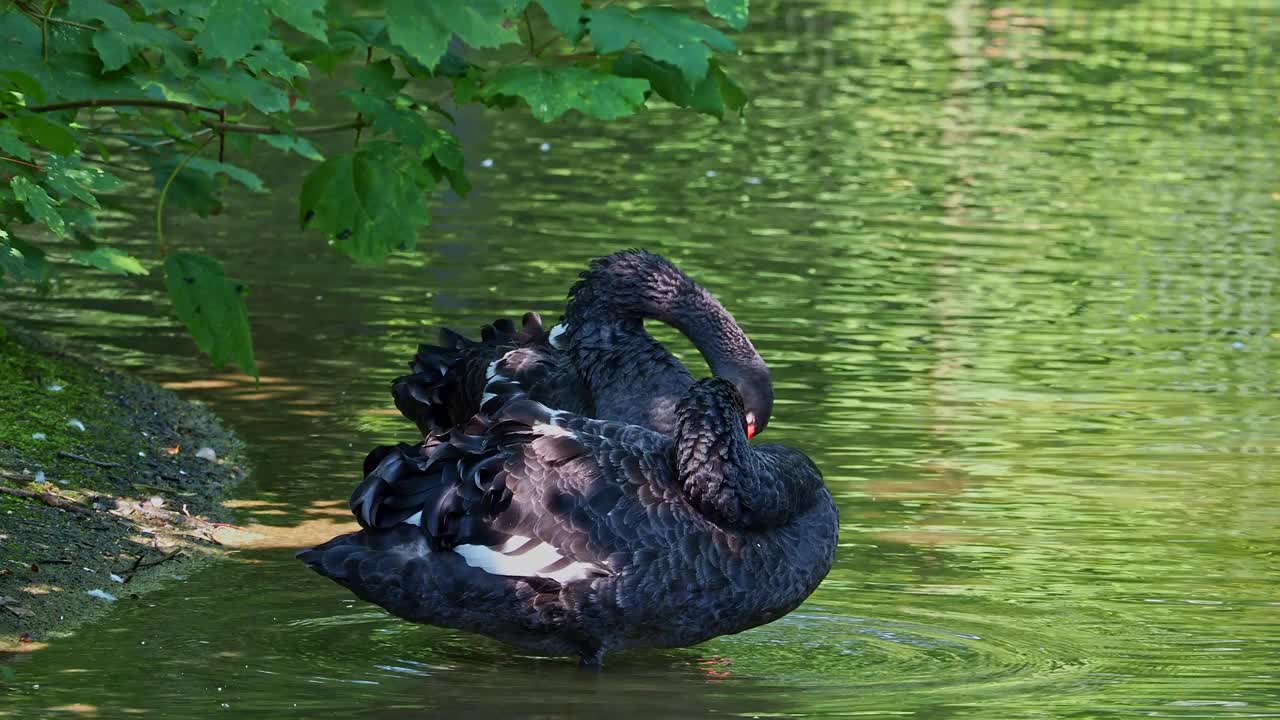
x,y
167,90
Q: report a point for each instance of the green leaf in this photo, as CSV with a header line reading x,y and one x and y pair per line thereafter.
x,y
22,261
23,83
379,78
272,59
180,7
54,137
11,144
233,29
662,33
235,86
733,12
423,29
68,177
566,16
111,44
212,307
239,174
710,96
447,162
305,15
111,260
405,123
665,78
293,143
551,92
369,202
74,71
121,39
112,49
38,204
734,97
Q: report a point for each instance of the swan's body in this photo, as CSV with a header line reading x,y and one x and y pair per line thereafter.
x,y
568,535
599,361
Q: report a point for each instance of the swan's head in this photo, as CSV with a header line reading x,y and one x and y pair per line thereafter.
x,y
756,388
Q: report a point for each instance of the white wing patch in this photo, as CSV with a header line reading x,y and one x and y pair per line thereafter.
x,y
552,430
554,336
491,372
521,556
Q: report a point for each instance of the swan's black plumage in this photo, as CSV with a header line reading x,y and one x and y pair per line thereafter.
x,y
604,365
672,540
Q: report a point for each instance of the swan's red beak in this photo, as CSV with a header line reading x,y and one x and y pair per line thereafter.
x,y
751,429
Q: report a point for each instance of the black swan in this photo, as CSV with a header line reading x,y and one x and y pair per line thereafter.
x,y
567,535
599,361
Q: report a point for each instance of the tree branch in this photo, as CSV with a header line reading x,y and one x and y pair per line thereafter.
x,y
121,102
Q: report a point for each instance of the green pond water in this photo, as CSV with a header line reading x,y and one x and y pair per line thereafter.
x,y
1016,270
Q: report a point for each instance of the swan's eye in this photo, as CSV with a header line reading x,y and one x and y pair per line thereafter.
x,y
751,425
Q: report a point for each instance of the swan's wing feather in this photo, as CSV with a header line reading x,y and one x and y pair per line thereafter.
x,y
445,385
577,492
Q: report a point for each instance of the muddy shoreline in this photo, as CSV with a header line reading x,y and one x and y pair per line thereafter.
x,y
109,485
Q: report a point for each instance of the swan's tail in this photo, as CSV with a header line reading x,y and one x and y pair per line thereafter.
x,y
398,569
447,380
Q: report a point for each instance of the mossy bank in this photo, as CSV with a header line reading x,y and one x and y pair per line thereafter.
x,y
107,485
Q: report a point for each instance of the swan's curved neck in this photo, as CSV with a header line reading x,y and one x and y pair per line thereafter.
x,y
733,484
713,458
630,287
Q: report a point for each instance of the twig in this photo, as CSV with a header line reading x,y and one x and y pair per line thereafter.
x,y
41,19
154,563
368,58
222,136
164,192
128,574
528,24
16,161
304,130
546,44
48,499
138,564
89,460
45,17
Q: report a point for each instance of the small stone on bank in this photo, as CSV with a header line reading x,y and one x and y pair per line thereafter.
x,y
73,422
40,477
207,453
38,436
54,388
102,595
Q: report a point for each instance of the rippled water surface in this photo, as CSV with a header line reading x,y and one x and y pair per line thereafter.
x,y
1016,270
